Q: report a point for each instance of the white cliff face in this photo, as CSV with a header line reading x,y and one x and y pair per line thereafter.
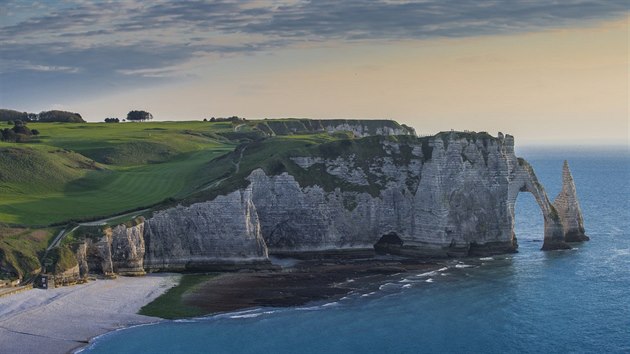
x,y
127,249
453,203
222,231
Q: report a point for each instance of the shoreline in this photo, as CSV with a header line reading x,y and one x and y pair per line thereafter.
x,y
30,320
65,319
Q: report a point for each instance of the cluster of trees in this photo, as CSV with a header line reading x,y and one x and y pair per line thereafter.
x,y
112,120
234,119
20,133
140,116
9,115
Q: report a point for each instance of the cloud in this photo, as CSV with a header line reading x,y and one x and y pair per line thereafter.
x,y
92,40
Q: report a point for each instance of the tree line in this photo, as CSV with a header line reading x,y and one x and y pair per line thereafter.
x,y
9,115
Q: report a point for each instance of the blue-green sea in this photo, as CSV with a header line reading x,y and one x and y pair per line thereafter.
x,y
575,301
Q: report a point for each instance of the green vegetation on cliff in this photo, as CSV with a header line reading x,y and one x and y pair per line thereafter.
x,y
21,249
275,155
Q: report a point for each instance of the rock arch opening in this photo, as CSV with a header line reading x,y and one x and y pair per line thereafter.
x,y
529,224
390,243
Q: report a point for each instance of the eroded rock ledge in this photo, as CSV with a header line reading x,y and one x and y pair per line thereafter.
x,y
449,195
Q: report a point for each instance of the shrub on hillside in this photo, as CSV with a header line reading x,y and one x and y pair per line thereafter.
x,y
20,133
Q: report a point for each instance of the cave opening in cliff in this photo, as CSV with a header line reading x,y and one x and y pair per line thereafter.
x,y
528,219
389,244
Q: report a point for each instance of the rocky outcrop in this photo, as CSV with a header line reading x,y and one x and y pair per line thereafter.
x,y
222,233
127,249
568,208
81,256
117,251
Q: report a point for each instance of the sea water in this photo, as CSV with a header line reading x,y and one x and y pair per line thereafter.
x,y
532,301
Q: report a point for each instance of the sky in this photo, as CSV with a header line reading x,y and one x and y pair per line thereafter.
x,y
548,72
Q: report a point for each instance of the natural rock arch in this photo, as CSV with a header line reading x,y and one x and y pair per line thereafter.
x,y
563,220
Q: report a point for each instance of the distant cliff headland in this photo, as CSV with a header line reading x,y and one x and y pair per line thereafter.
x,y
226,194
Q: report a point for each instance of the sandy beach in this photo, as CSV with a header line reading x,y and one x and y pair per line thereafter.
x,y
63,319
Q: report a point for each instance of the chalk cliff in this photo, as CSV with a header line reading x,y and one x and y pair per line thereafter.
x,y
449,195
217,233
452,194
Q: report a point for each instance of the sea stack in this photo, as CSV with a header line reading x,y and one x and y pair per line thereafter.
x,y
566,203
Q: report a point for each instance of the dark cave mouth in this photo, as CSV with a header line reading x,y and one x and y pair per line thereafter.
x,y
390,243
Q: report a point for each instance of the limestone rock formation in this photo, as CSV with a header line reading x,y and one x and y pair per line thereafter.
x,y
99,254
566,203
525,180
214,234
127,249
81,256
118,251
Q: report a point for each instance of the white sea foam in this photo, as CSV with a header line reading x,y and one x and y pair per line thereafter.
x,y
442,269
486,259
230,314
335,303
427,274
409,281
249,315
386,285
311,308
463,266
430,280
368,294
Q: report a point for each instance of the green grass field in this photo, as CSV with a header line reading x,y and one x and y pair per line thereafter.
x,y
87,171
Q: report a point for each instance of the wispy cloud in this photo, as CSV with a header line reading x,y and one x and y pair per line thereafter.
x,y
148,40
